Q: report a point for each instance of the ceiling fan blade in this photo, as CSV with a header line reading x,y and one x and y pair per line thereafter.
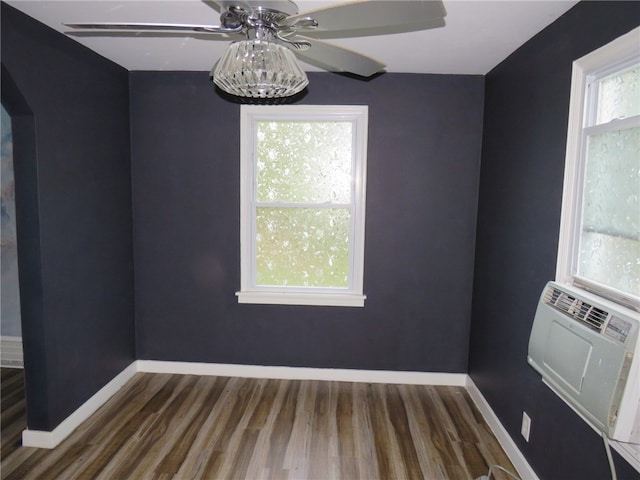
x,y
224,4
373,14
386,30
337,59
285,6
153,27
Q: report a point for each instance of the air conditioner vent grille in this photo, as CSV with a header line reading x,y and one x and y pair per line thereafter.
x,y
575,308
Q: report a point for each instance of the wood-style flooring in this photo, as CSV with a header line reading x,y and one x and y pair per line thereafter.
x,y
162,426
13,418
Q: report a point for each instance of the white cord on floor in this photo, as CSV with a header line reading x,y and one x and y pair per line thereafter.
x,y
498,467
612,466
504,470
607,448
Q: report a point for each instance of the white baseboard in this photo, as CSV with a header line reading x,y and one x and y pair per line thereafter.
x,y
11,355
508,445
44,439
303,373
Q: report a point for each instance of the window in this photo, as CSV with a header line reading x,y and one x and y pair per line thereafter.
x,y
303,176
600,228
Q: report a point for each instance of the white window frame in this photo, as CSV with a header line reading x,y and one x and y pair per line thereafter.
x,y
351,296
591,67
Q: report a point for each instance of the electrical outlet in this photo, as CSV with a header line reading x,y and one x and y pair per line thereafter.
x,y
526,426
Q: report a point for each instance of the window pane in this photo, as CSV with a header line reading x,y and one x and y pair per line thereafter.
x,y
302,247
619,96
304,162
610,232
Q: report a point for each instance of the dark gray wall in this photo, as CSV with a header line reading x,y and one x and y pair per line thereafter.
x,y
423,180
423,164
525,127
73,198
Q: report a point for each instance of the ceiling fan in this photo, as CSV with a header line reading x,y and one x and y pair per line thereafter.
x,y
263,63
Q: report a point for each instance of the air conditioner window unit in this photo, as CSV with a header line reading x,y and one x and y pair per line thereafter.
x,y
587,351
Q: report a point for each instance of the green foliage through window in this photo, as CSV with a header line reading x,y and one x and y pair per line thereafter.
x,y
304,162
302,247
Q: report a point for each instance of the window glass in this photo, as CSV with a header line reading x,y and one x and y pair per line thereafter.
x,y
302,246
619,95
610,235
304,161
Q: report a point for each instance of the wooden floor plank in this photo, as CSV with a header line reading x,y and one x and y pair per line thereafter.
x,y
366,456
387,449
206,433
400,422
173,459
184,427
296,459
264,420
421,435
281,432
12,407
238,450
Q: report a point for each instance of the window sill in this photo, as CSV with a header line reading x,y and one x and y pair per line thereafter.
x,y
610,296
318,299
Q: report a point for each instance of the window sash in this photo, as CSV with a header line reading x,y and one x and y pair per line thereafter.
x,y
593,82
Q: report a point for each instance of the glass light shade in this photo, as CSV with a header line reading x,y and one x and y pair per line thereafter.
x,y
259,69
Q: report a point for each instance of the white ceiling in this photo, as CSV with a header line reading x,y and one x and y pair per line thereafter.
x,y
478,34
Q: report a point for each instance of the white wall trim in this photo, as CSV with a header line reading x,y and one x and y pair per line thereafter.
x,y
303,373
511,449
630,452
11,355
45,439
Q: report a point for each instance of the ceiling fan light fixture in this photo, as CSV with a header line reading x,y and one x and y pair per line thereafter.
x,y
259,69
